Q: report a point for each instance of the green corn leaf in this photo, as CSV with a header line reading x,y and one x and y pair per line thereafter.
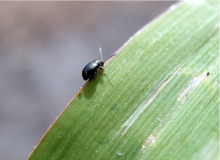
x,y
159,98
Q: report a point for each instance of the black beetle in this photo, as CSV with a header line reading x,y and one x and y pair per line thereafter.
x,y
90,70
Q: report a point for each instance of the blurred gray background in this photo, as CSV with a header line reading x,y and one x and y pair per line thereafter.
x,y
43,49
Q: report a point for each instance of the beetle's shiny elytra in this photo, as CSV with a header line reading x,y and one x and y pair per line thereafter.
x,y
90,70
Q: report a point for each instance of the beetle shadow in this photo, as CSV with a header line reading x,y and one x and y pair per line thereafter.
x,y
91,87
89,90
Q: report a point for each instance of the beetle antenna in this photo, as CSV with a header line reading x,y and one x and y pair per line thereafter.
x,y
100,51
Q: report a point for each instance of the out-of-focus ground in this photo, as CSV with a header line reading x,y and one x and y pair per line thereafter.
x,y
43,49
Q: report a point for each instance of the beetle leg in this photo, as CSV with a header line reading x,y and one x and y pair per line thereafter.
x,y
102,70
94,75
91,77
